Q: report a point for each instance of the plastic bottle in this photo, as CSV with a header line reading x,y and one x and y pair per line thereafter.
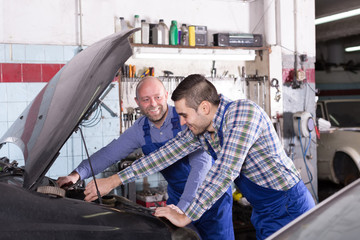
x,y
179,36
192,36
155,34
120,24
163,38
184,35
123,24
117,25
137,34
145,30
173,36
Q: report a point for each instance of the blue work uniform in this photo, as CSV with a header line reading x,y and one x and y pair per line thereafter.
x,y
215,223
284,206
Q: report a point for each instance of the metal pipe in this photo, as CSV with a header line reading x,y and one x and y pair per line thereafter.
x,y
80,24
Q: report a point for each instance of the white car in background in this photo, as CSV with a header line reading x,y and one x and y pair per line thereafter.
x,y
338,150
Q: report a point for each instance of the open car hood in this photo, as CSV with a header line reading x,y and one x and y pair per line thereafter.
x,y
50,119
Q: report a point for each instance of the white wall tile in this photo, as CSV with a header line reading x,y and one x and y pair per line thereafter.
x,y
94,131
64,151
18,53
59,168
54,53
3,128
2,52
111,127
3,112
16,109
69,52
4,150
75,148
16,92
114,92
8,57
32,90
35,53
15,153
3,92
94,144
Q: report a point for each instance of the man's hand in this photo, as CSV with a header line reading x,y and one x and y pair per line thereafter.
x,y
105,185
72,178
174,215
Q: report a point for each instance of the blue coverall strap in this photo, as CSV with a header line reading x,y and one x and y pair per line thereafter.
x,y
220,132
146,129
175,121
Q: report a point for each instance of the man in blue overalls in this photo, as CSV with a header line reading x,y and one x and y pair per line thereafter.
x,y
159,124
241,137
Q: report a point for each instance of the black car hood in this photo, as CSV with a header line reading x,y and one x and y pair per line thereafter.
x,y
50,119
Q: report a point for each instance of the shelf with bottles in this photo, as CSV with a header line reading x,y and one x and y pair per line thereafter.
x,y
149,51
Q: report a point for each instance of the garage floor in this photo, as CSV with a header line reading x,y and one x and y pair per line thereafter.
x,y
243,228
326,189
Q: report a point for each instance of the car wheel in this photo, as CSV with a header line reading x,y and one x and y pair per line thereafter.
x,y
345,169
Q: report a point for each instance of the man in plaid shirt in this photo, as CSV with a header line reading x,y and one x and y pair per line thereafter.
x,y
242,139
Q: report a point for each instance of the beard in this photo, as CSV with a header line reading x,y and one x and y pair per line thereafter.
x,y
198,129
158,117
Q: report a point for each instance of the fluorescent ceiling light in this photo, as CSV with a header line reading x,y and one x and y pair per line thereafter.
x,y
194,54
337,16
352,49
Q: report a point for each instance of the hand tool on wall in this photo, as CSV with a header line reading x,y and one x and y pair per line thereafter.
x,y
120,97
130,71
213,70
145,73
130,111
133,71
152,71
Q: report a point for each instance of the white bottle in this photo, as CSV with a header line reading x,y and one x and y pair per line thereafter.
x,y
117,25
145,31
120,24
123,24
137,34
163,28
155,34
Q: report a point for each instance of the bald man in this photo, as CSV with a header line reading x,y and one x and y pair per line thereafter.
x,y
158,125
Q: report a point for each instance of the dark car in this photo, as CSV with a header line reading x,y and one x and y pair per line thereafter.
x,y
32,205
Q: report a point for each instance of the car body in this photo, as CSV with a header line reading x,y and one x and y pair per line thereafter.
x,y
338,151
32,206
337,217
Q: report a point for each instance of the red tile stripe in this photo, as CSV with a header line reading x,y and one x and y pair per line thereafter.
x,y
28,72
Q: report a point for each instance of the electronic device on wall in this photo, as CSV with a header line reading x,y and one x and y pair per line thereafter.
x,y
303,123
238,40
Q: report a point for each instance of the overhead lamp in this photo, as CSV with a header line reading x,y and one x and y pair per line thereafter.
x,y
352,49
194,53
337,16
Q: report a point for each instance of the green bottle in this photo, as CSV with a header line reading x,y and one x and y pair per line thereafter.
x,y
173,33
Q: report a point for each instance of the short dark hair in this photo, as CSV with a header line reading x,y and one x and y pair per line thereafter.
x,y
196,88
